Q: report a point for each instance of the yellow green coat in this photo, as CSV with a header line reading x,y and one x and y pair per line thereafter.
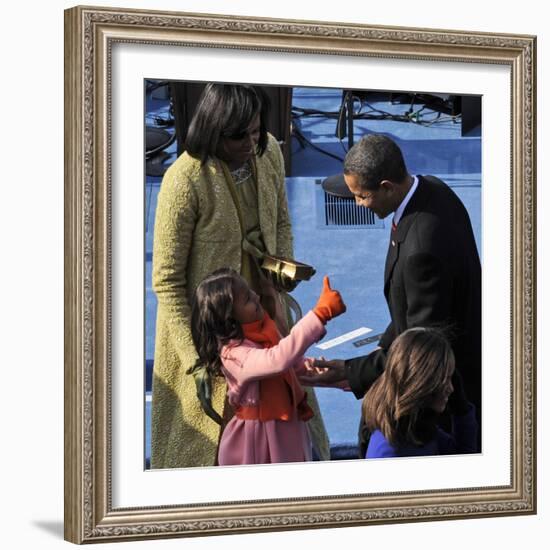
x,y
197,231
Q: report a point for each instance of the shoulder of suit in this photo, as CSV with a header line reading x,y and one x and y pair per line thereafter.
x,y
439,190
433,182
436,183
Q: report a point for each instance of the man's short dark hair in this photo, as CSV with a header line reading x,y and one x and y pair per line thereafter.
x,y
375,158
226,110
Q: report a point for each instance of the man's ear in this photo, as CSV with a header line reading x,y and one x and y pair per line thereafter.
x,y
387,185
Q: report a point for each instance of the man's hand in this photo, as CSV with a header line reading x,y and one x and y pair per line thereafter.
x,y
319,372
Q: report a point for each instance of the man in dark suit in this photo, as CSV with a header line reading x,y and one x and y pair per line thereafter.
x,y
432,275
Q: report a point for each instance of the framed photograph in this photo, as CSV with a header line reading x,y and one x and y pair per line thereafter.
x,y
110,493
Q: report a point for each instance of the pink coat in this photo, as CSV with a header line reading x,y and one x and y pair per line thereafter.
x,y
254,441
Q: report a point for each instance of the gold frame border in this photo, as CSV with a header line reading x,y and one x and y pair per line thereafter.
x,y
89,35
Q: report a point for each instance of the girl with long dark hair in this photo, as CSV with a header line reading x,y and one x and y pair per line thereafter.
x,y
235,337
403,406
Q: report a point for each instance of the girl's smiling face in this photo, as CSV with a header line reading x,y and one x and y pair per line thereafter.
x,y
246,303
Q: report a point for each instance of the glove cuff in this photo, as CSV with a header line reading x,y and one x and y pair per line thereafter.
x,y
323,313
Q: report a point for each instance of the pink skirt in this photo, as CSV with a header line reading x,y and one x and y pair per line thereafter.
x,y
270,442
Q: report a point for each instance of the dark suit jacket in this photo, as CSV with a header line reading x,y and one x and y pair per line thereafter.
x,y
432,278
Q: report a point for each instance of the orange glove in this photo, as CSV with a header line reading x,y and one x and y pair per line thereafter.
x,y
330,303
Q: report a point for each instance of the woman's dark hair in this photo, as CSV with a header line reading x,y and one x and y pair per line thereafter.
x,y
212,321
226,111
418,365
373,159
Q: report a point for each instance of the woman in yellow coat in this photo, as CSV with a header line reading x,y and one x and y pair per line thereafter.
x,y
223,198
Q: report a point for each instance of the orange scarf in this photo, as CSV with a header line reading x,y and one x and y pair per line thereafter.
x,y
280,394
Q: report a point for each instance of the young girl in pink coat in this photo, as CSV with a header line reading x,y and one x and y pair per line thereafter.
x,y
235,337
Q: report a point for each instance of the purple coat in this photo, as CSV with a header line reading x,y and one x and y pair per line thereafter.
x,y
462,440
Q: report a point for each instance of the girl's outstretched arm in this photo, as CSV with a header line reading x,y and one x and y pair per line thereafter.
x,y
247,362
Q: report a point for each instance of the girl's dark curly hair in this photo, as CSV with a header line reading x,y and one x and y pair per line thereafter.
x,y
212,321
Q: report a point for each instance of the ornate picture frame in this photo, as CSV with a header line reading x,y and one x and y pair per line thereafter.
x,y
90,34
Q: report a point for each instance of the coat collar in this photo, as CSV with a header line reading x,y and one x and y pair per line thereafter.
x,y
415,205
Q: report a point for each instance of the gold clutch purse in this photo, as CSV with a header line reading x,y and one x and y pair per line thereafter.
x,y
284,273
